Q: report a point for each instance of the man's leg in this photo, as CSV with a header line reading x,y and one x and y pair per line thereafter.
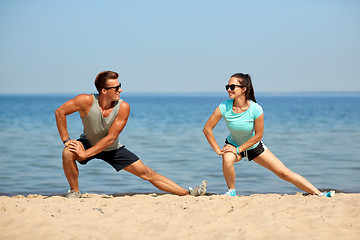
x,y
70,169
139,169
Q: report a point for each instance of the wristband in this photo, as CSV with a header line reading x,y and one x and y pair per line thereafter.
x,y
65,141
237,150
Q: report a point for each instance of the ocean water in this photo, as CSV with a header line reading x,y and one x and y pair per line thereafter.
x,y
315,136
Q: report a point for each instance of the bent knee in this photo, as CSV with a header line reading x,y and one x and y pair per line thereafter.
x,y
230,158
68,155
66,152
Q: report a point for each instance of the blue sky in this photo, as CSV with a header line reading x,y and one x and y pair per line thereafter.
x,y
179,46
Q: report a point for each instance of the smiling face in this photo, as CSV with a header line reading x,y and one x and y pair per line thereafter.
x,y
237,91
112,89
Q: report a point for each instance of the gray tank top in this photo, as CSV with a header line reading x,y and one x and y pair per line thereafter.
x,y
96,127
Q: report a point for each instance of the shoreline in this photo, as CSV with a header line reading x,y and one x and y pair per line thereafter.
x,y
121,194
167,216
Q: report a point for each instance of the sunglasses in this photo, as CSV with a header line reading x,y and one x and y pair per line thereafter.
x,y
233,86
116,88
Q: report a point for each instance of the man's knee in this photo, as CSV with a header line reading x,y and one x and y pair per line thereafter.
x,y
68,155
147,173
139,169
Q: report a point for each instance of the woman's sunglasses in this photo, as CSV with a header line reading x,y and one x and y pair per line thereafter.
x,y
233,86
116,87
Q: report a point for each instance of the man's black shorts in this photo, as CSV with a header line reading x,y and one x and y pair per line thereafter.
x,y
119,158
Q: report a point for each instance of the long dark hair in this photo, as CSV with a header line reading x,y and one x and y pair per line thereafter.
x,y
246,81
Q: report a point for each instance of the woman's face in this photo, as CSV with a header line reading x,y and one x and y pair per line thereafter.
x,y
237,91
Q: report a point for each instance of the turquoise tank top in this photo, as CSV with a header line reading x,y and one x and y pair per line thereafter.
x,y
240,125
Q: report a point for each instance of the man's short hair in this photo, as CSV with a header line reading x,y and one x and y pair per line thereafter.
x,y
101,78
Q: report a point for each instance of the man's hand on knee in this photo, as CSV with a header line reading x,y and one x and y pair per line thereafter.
x,y
77,148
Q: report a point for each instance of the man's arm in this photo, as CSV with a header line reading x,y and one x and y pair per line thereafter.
x,y
114,131
81,104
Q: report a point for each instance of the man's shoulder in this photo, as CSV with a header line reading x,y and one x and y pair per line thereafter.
x,y
85,96
122,102
84,99
124,106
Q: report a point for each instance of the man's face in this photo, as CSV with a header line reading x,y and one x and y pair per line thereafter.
x,y
113,89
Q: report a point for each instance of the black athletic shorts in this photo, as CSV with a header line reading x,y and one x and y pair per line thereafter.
x,y
253,153
119,158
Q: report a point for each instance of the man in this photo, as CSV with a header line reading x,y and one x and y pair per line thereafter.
x,y
104,116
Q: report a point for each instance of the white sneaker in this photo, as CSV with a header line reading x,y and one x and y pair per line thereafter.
x,y
199,190
73,194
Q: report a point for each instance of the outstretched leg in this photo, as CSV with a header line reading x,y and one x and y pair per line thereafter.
x,y
268,160
139,169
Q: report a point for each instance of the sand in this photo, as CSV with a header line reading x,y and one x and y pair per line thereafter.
x,y
152,216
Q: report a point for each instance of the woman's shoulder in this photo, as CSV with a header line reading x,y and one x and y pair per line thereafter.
x,y
228,102
225,106
254,104
256,109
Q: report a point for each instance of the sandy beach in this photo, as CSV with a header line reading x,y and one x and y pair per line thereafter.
x,y
152,216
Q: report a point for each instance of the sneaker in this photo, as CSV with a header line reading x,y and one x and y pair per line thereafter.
x,y
199,190
327,194
73,194
231,192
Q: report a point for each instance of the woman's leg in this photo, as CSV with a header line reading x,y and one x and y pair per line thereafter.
x,y
268,160
228,168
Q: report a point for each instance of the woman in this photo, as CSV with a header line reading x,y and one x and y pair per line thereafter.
x,y
245,120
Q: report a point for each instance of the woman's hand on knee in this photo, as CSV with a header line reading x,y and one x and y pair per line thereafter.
x,y
220,152
229,148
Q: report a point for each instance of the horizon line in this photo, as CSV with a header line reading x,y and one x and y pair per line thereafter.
x,y
270,93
